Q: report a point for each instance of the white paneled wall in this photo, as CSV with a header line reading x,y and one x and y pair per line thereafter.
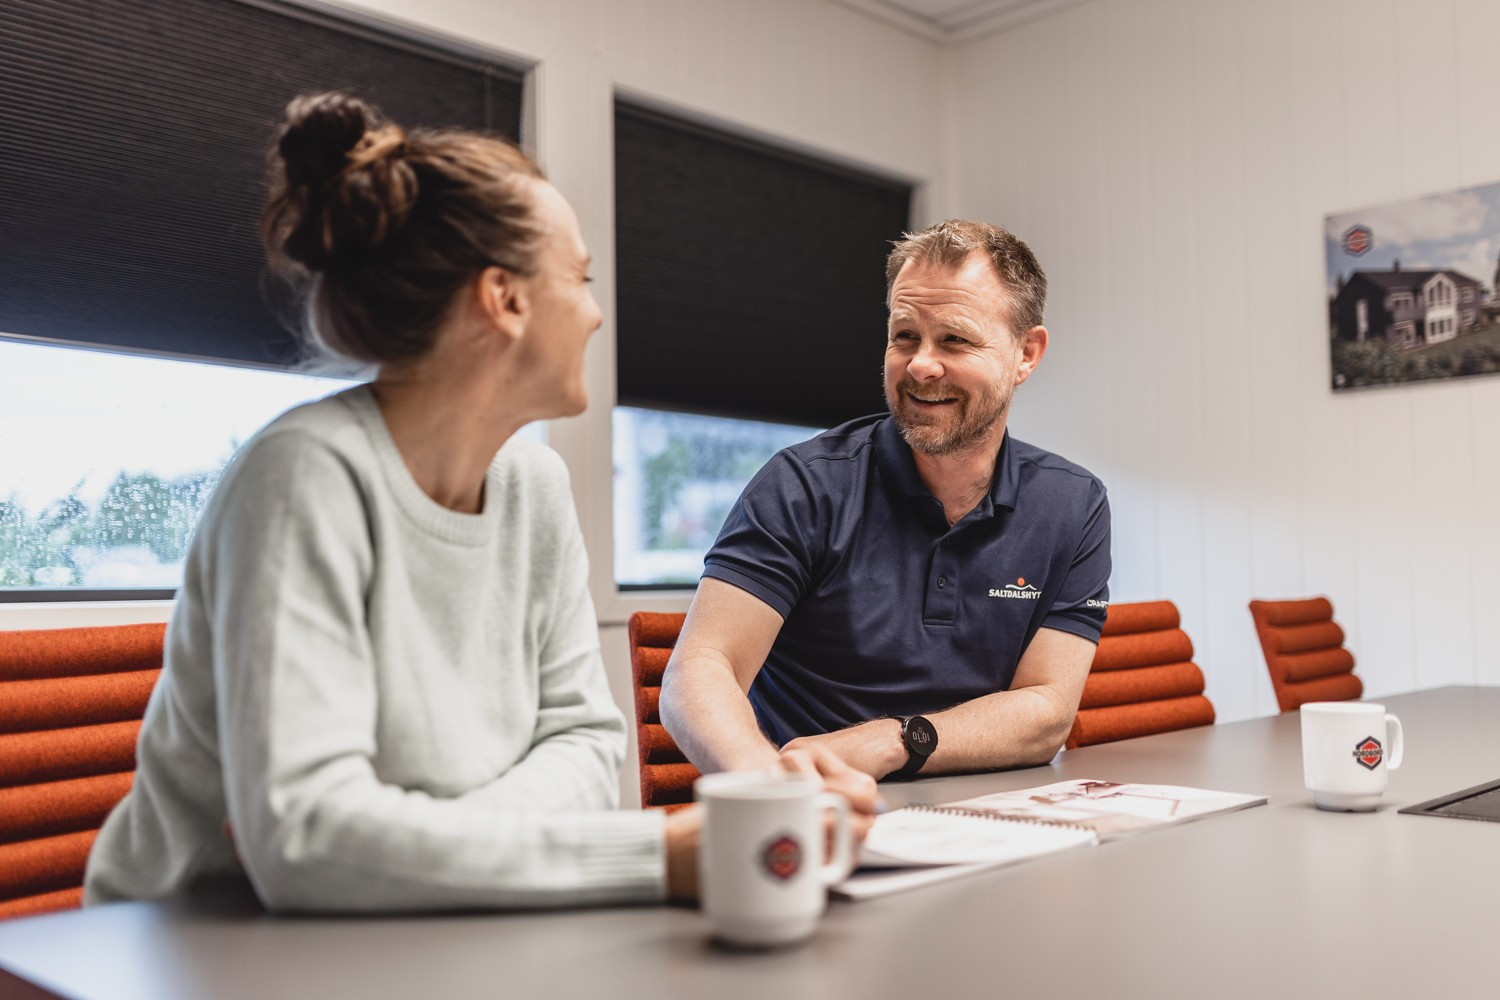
x,y
1171,162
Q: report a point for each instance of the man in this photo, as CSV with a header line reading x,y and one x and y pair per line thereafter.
x,y
915,593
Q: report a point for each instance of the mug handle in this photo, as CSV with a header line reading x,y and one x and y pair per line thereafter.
x,y
1397,740
838,867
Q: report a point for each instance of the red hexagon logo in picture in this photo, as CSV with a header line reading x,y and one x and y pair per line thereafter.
x,y
1358,240
782,857
1368,752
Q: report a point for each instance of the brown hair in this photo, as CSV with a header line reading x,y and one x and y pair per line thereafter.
x,y
389,225
951,243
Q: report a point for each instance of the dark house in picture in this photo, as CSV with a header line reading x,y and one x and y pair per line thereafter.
x,y
1406,308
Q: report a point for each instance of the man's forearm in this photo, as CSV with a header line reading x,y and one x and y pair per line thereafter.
x,y
1009,729
710,718
1025,725
1018,728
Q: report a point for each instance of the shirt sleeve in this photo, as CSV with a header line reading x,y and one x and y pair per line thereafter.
x,y
315,826
770,542
1083,599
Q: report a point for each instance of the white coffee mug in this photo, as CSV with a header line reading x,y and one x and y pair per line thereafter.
x,y
1347,749
761,870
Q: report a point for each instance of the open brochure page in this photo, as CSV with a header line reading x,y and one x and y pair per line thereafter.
x,y
1111,809
919,845
915,837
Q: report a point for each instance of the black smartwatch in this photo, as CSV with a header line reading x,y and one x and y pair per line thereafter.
x,y
920,738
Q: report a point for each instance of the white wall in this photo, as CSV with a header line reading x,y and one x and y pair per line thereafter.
x,y
1171,162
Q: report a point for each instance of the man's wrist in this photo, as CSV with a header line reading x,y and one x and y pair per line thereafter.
x,y
918,738
893,746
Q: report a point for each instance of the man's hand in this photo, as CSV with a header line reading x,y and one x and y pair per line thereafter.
x,y
873,747
820,762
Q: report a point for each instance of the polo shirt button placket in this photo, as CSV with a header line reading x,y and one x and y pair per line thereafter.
x,y
942,599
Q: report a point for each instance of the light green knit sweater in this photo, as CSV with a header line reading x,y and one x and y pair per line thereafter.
x,y
396,706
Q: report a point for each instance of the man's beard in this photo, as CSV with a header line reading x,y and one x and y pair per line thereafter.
x,y
943,433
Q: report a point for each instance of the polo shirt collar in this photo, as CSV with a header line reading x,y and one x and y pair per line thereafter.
x,y
899,470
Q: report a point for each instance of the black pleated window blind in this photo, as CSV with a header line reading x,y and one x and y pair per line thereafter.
x,y
133,140
750,280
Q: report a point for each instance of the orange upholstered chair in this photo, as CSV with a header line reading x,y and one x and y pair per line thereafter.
x,y
666,776
1305,652
1143,679
71,702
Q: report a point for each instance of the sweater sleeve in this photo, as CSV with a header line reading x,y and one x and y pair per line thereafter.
x,y
317,829
578,744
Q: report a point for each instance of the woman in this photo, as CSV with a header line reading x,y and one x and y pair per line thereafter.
x,y
382,672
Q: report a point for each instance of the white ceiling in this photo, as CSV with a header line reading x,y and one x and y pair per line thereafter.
x,y
957,21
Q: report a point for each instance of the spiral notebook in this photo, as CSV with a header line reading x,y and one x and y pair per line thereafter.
x,y
921,844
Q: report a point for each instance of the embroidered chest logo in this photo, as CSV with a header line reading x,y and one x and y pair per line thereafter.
x,y
1018,591
1368,752
782,857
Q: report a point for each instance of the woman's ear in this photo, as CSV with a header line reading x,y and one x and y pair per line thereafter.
x,y
503,300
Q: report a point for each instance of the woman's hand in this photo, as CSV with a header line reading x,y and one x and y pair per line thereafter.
x,y
684,831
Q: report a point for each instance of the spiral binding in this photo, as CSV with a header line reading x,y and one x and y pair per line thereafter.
x,y
996,817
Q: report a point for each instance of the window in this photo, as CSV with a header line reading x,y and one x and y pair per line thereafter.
x,y
750,314
1468,295
131,184
132,173
106,461
676,476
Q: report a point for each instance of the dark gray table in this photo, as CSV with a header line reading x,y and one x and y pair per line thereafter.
x,y
1278,900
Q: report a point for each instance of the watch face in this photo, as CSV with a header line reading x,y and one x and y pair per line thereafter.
x,y
920,736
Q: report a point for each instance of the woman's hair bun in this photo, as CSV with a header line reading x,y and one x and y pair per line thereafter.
x,y
320,132
340,184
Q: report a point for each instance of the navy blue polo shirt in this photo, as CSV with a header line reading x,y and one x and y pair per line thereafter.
x,y
887,610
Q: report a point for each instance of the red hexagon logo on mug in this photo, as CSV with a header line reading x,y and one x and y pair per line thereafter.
x,y
1368,752
782,857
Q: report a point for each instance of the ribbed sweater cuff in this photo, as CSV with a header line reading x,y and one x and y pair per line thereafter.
x,y
622,857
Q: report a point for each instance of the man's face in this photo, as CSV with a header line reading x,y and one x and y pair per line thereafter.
x,y
951,360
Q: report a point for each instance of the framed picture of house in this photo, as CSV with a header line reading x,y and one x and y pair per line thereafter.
x,y
1412,289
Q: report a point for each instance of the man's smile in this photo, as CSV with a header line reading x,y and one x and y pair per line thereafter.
x,y
933,403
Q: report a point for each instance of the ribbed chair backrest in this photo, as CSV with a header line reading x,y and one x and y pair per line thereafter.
x,y
1305,652
1143,679
71,702
666,776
